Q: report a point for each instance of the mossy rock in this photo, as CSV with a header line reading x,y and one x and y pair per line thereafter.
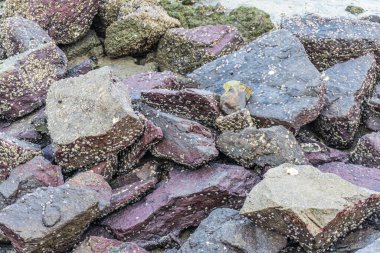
x,y
356,10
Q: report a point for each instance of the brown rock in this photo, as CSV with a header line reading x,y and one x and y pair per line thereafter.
x,y
235,121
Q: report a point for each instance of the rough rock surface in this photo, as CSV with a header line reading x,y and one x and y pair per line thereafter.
x,y
81,68
182,201
66,21
224,230
95,244
20,35
327,209
367,150
194,104
329,41
185,142
348,85
90,45
270,66
235,97
89,118
183,50
356,174
107,168
14,152
140,25
373,247
263,147
318,153
235,121
25,79
49,219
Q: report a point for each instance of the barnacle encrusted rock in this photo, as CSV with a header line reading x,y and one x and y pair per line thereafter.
x,y
329,41
140,25
183,50
235,121
14,152
25,79
348,85
194,104
185,141
312,207
89,118
87,46
66,20
20,34
271,66
367,150
264,147
96,244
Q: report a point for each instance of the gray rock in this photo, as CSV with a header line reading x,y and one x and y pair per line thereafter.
x,y
271,66
367,150
95,244
372,248
225,231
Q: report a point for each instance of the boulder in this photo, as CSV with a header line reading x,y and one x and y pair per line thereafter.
x,y
329,41
181,202
139,26
225,229
235,121
88,46
25,79
14,152
95,244
66,21
263,147
349,84
194,104
20,34
318,153
183,50
185,142
312,207
367,150
270,66
89,118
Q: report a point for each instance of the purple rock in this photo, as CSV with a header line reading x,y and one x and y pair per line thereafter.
x,y
367,151
81,68
182,201
318,153
107,168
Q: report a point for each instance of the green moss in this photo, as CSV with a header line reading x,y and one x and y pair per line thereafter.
x,y
354,9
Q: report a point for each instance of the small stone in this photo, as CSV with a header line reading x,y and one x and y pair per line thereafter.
x,y
235,121
318,153
367,151
95,244
356,10
81,69
235,97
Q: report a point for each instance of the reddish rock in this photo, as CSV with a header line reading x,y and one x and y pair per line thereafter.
x,y
95,244
14,152
66,21
182,201
107,168
359,175
185,142
26,78
194,104
367,151
81,68
183,50
318,153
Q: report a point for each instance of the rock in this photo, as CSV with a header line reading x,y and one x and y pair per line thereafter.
x,y
367,151
14,152
235,121
356,240
81,69
372,18
235,97
64,25
373,247
95,244
185,142
318,153
194,104
107,14
374,102
55,217
371,113
88,46
327,209
224,230
372,122
329,41
263,147
25,79
181,202
38,172
354,9
108,168
275,98
356,174
90,118
140,25
20,35
183,50
151,136
348,85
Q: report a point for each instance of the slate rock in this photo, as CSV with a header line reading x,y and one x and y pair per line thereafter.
x,y
194,104
328,208
318,153
349,84
185,142
95,244
329,41
270,66
66,21
26,78
224,230
183,50
21,34
263,147
108,168
235,121
181,202
89,118
367,150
